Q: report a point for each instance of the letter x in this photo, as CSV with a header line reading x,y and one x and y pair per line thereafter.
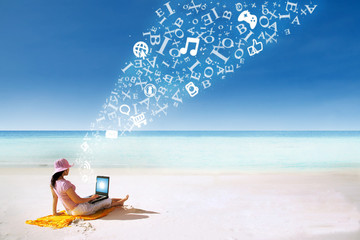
x,y
126,95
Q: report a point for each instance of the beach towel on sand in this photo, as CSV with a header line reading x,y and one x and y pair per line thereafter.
x,y
64,220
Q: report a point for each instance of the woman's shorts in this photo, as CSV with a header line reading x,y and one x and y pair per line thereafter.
x,y
88,208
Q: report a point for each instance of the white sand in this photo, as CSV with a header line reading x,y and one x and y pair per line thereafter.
x,y
193,205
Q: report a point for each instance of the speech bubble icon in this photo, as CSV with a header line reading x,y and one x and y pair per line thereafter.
x,y
124,109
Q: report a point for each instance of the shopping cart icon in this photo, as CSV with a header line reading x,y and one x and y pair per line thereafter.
x,y
139,120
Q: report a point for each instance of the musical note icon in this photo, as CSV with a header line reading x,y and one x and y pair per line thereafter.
x,y
193,52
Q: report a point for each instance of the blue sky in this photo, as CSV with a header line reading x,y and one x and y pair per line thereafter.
x,y
59,61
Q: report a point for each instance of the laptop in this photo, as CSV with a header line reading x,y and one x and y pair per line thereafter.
x,y
102,189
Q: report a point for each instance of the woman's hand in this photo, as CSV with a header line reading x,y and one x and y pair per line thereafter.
x,y
94,196
59,214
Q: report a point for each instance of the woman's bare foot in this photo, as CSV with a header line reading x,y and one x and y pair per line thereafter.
x,y
124,200
119,201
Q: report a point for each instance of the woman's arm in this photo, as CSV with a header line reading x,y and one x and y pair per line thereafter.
x,y
55,200
76,199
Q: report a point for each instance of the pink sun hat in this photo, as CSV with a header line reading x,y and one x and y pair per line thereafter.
x,y
61,165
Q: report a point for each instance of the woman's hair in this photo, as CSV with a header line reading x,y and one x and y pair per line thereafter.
x,y
55,177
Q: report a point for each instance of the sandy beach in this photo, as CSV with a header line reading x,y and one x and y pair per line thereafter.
x,y
182,204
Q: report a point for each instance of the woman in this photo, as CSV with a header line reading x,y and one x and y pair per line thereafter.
x,y
65,190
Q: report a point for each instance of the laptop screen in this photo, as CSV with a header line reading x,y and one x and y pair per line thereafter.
x,y
102,185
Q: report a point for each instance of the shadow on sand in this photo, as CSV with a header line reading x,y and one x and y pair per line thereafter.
x,y
128,213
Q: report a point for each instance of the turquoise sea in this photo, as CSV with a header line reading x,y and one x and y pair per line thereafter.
x,y
193,149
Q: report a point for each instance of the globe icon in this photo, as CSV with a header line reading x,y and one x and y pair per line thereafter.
x,y
141,49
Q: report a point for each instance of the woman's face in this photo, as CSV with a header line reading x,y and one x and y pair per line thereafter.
x,y
66,172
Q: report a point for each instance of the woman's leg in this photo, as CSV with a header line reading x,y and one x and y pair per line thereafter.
x,y
119,201
87,208
99,205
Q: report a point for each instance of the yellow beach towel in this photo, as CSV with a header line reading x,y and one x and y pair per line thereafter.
x,y
64,220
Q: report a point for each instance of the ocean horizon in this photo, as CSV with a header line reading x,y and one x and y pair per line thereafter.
x,y
188,149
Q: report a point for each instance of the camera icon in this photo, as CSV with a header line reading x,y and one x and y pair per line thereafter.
x,y
192,89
